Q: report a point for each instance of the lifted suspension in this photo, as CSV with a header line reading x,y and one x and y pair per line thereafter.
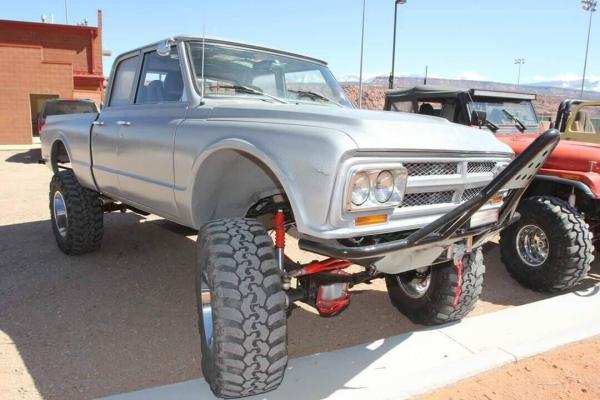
x,y
322,284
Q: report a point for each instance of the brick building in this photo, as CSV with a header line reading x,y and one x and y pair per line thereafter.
x,y
39,61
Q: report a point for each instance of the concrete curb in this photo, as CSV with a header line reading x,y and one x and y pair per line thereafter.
x,y
406,365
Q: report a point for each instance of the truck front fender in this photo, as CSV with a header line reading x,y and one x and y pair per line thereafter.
x,y
231,176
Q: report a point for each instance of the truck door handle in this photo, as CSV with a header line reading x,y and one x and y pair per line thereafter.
x,y
98,123
123,123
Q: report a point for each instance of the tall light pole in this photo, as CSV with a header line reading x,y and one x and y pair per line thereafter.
x,y
362,47
66,13
587,5
391,80
519,62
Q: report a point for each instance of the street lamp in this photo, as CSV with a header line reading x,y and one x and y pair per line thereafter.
x,y
519,62
362,47
587,5
391,80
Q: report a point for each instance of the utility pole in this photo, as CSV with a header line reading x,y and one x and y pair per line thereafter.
x,y
519,62
391,79
66,13
587,5
362,47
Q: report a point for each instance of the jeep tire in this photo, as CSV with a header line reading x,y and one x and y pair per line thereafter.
x,y
444,295
76,215
241,308
549,249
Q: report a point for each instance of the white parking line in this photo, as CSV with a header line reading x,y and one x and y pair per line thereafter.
x,y
402,366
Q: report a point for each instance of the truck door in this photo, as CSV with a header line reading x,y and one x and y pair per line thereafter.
x,y
145,157
105,129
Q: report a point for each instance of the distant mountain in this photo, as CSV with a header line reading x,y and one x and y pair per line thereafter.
x,y
550,88
550,94
590,85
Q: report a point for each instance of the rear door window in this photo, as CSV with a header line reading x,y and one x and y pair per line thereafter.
x,y
123,81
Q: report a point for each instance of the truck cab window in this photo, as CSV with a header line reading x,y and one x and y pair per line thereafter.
x,y
123,81
160,80
587,120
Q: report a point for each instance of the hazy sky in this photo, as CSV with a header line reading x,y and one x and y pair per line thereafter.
x,y
457,39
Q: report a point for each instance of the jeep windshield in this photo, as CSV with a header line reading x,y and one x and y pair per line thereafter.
x,y
250,73
508,114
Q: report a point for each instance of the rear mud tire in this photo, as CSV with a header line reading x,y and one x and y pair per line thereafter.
x,y
246,353
80,228
439,303
571,250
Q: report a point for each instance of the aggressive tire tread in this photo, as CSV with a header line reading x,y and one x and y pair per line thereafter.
x,y
85,216
571,245
437,305
249,353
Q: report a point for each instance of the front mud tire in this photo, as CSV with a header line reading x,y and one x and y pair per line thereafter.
x,y
570,249
76,215
241,307
442,301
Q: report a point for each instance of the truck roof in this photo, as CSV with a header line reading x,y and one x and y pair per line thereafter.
x,y
181,38
432,92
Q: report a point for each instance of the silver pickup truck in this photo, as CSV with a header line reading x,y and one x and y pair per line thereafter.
x,y
253,146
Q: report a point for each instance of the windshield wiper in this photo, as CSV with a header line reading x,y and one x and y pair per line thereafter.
x,y
519,124
493,127
249,90
315,95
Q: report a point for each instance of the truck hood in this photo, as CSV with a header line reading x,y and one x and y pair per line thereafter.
x,y
567,156
370,130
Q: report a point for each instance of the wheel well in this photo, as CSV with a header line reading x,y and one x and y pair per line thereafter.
x,y
561,190
229,183
58,155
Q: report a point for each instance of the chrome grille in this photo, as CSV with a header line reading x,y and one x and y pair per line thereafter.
x,y
429,198
423,191
426,169
480,166
468,194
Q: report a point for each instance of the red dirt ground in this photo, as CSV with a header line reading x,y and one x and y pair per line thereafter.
x,y
570,372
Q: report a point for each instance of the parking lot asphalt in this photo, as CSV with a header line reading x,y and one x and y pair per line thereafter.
x,y
124,318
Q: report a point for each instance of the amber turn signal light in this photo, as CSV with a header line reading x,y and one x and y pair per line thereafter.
x,y
371,220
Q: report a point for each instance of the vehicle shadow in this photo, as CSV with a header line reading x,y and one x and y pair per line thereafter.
x,y
502,290
30,156
124,318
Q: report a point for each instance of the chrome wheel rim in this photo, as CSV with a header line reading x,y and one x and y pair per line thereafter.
x,y
415,283
532,245
206,309
61,218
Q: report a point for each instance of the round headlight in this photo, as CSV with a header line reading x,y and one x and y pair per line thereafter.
x,y
384,186
361,187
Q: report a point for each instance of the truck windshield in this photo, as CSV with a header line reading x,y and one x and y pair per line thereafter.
x,y
238,71
499,112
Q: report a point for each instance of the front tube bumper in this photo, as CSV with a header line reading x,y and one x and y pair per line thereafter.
x,y
515,179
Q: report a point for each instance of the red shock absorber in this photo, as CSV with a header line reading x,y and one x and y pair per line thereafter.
x,y
458,291
279,225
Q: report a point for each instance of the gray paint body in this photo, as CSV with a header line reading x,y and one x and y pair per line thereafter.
x,y
203,159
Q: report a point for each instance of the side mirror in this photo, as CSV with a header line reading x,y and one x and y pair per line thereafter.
x,y
164,49
478,118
